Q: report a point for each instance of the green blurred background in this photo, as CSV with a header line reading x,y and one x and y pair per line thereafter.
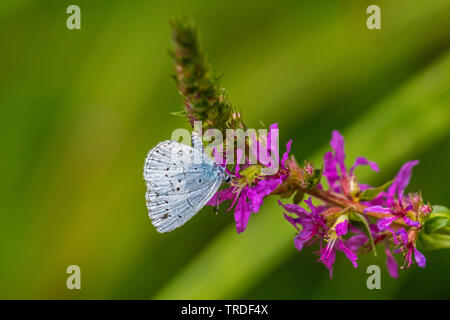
x,y
80,110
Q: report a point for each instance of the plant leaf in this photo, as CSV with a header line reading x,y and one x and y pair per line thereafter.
x,y
434,241
299,197
315,179
366,229
440,209
439,218
181,113
372,193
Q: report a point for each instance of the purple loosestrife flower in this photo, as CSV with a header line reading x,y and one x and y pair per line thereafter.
x,y
379,236
335,241
391,263
396,203
250,184
408,247
358,240
345,181
313,227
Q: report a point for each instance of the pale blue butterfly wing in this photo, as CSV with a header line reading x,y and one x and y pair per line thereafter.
x,y
180,181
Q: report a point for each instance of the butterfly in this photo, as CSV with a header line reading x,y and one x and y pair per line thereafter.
x,y
180,181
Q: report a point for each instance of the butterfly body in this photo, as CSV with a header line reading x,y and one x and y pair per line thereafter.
x,y
180,181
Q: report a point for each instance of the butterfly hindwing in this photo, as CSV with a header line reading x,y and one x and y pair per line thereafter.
x,y
169,212
180,181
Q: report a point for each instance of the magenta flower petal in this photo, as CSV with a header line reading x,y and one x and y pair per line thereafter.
x,y
293,208
380,199
239,154
401,181
328,259
256,199
384,224
292,220
273,127
286,154
378,209
357,241
420,258
337,143
218,156
410,222
221,196
330,171
361,161
273,130
403,235
342,228
262,189
242,213
267,146
298,243
312,225
329,263
391,263
348,253
313,208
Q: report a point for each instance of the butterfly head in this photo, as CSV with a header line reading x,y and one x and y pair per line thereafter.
x,y
223,173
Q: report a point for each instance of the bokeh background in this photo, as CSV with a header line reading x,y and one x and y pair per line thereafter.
x,y
80,109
